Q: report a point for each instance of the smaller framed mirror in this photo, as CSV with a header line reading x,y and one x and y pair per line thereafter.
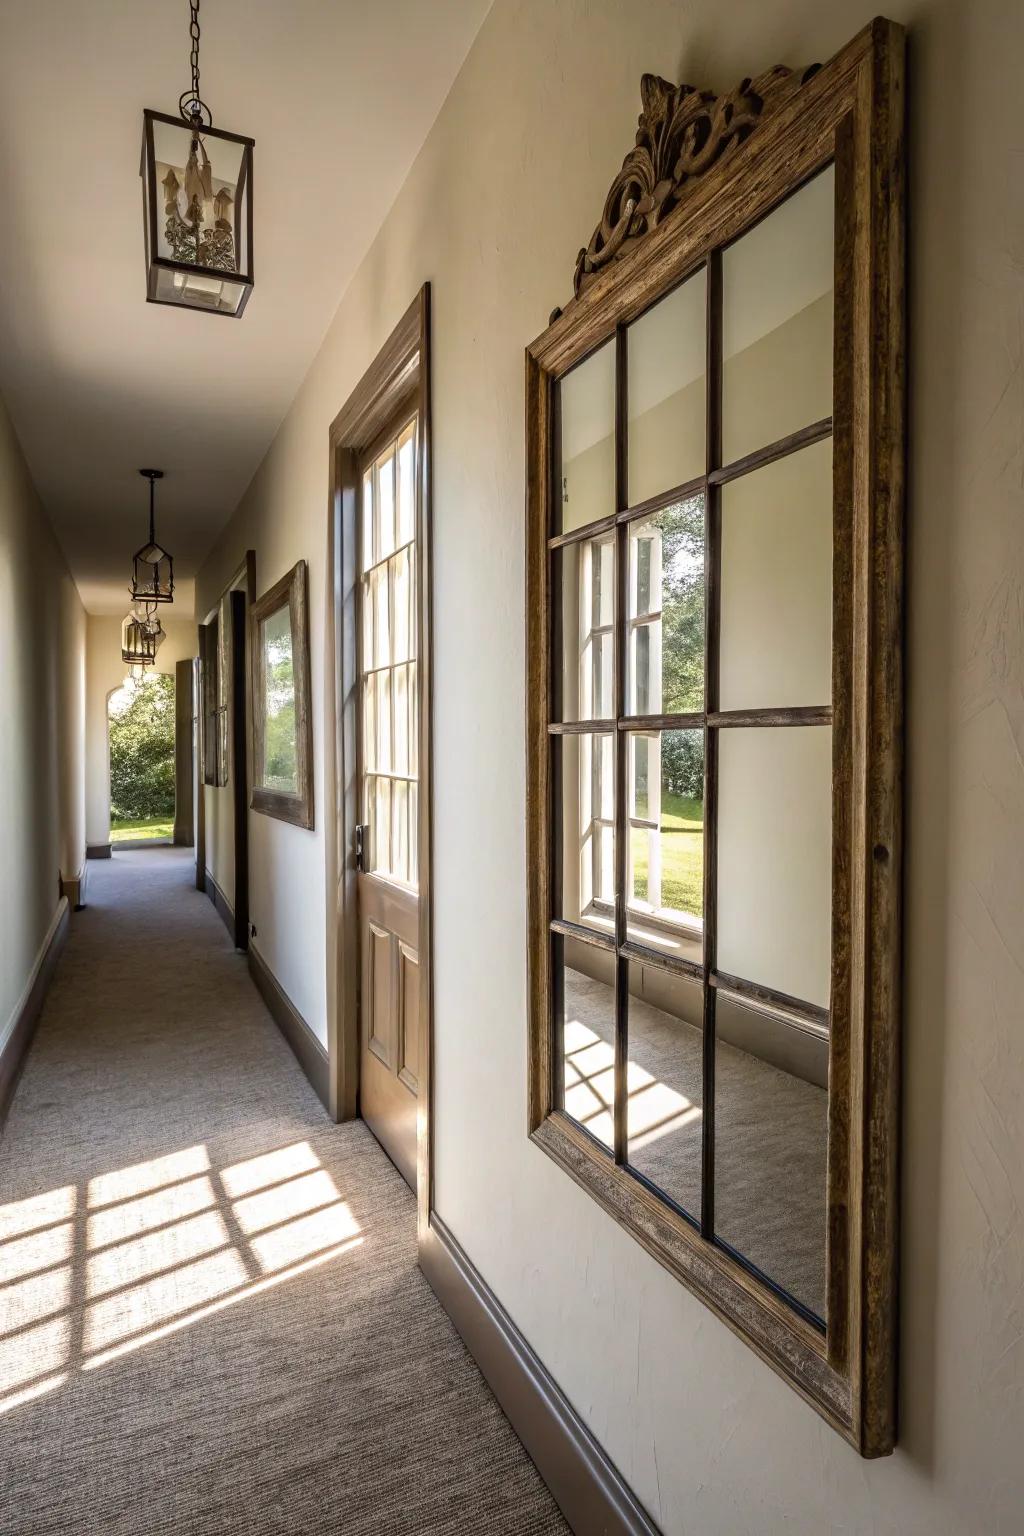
x,y
281,717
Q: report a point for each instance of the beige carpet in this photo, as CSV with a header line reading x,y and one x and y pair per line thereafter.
x,y
211,1318
770,1131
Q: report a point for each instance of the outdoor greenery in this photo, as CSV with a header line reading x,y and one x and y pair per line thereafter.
x,y
682,607
682,855
280,761
142,751
682,752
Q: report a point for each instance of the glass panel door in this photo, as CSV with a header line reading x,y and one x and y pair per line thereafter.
x,y
388,661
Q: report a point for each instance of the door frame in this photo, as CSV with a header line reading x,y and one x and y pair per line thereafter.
x,y
398,376
241,594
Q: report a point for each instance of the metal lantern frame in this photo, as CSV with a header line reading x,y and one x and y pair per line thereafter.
x,y
152,590
138,641
155,263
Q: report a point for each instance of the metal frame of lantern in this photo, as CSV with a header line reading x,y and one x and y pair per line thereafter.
x,y
217,226
156,588
138,641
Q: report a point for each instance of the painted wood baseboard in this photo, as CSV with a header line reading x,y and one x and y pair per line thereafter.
x,y
17,1036
98,851
220,901
309,1049
591,1494
74,887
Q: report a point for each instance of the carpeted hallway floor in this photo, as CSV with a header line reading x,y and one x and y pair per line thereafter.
x,y
211,1318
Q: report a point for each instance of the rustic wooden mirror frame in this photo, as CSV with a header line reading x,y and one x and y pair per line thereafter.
x,y
703,172
290,592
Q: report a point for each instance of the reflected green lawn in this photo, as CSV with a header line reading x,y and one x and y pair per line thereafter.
x,y
682,855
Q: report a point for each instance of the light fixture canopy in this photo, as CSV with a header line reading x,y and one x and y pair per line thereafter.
x,y
197,204
152,566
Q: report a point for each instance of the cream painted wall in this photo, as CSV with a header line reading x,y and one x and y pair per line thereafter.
x,y
105,671
507,188
42,739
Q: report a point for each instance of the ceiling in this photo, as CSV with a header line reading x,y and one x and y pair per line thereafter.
x,y
338,95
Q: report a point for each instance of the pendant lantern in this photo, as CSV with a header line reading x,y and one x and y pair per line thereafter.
x,y
152,566
197,204
138,647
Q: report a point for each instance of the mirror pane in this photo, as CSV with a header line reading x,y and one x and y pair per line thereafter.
x,y
664,1082
280,750
588,441
665,877
585,574
776,635
585,777
587,984
771,1141
665,585
777,302
775,858
667,397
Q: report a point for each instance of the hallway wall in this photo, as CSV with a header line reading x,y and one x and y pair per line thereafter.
x,y
105,671
507,188
42,725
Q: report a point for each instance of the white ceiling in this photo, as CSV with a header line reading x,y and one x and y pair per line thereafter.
x,y
338,94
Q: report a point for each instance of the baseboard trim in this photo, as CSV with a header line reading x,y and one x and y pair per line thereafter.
x,y
309,1050
74,887
220,901
17,1037
591,1494
98,851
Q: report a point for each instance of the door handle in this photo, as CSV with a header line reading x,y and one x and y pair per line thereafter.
x,y
361,832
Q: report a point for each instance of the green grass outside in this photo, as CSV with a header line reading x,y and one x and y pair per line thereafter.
x,y
152,826
682,855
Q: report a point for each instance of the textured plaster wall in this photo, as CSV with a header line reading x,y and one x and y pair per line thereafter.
x,y
508,186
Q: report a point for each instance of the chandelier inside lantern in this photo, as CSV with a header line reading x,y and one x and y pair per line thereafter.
x,y
197,204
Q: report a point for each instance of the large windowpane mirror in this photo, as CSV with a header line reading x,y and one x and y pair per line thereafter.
x,y
281,714
714,722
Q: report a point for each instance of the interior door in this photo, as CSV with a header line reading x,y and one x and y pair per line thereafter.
x,y
388,759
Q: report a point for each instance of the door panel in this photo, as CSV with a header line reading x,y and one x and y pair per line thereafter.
x,y
408,1017
388,758
377,974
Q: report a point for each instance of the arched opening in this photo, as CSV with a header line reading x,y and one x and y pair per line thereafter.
x,y
140,722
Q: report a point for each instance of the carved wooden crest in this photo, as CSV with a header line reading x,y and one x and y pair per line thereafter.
x,y
682,133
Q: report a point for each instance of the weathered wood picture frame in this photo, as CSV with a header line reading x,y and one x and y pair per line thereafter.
x,y
290,596
704,172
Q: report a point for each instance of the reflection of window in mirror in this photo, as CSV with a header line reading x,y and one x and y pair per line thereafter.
x,y
282,722
699,799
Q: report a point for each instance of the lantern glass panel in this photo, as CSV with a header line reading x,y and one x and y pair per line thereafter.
x,y
152,575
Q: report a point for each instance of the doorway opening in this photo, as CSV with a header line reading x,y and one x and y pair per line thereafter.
x,y
141,732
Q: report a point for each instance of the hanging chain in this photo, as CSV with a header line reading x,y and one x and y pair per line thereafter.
x,y
193,29
191,105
